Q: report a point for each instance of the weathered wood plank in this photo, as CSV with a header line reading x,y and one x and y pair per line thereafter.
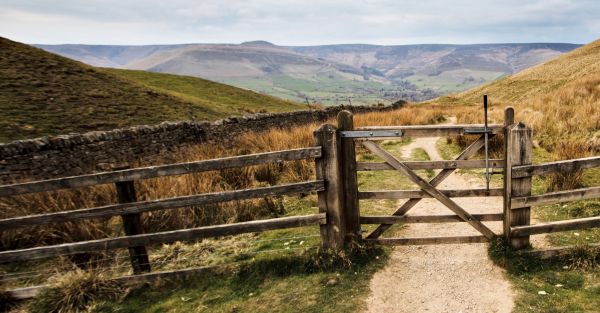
x,y
552,227
443,174
24,293
521,153
509,120
132,225
161,237
152,205
415,131
428,240
419,194
430,165
556,197
549,253
489,217
159,171
558,166
349,177
331,198
431,190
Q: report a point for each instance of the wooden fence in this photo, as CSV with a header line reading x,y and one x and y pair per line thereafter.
x,y
336,185
519,198
130,209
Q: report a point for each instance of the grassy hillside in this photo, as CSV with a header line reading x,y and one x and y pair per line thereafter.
x,y
560,99
223,99
537,80
45,94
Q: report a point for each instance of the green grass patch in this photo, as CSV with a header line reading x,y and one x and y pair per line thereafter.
x,y
447,149
558,285
566,284
276,284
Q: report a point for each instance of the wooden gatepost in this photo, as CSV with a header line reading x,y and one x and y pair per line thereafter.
x,y
518,151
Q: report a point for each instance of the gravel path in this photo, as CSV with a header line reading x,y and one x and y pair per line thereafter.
x,y
443,278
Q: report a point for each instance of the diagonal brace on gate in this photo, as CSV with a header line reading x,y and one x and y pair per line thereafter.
x,y
429,187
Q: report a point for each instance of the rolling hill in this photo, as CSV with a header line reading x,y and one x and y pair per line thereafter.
x,y
329,74
559,98
42,93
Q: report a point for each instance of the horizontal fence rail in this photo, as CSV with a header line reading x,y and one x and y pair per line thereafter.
x,y
434,130
553,167
431,165
420,194
159,171
517,203
556,197
426,218
551,227
161,237
169,203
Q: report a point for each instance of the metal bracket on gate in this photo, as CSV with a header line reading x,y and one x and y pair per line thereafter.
x,y
477,131
371,133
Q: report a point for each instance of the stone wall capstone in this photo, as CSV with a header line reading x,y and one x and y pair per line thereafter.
x,y
77,154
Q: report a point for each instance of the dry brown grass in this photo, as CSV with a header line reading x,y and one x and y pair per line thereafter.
x,y
76,291
559,99
571,179
269,140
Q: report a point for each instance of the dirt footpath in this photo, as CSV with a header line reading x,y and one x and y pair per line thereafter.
x,y
443,278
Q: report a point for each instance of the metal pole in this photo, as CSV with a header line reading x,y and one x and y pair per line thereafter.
x,y
487,159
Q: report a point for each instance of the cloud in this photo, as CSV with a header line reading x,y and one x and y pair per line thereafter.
x,y
297,22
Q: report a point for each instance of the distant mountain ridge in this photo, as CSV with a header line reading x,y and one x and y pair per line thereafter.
x,y
329,74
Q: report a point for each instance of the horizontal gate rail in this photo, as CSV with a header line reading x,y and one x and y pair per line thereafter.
x,y
161,237
420,194
556,197
428,240
551,227
160,171
431,165
553,167
435,130
451,218
152,205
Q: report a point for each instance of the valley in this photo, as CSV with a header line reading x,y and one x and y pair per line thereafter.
x,y
328,74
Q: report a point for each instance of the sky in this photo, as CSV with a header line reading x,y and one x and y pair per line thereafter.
x,y
299,22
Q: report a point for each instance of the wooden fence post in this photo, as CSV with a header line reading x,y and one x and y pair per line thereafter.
x,y
333,233
348,174
509,120
132,225
519,153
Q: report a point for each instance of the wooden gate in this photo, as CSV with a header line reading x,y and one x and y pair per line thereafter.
x,y
369,137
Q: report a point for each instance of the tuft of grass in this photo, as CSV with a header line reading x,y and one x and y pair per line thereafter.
x,y
78,291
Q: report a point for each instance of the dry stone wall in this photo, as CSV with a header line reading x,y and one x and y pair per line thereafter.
x,y
76,154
